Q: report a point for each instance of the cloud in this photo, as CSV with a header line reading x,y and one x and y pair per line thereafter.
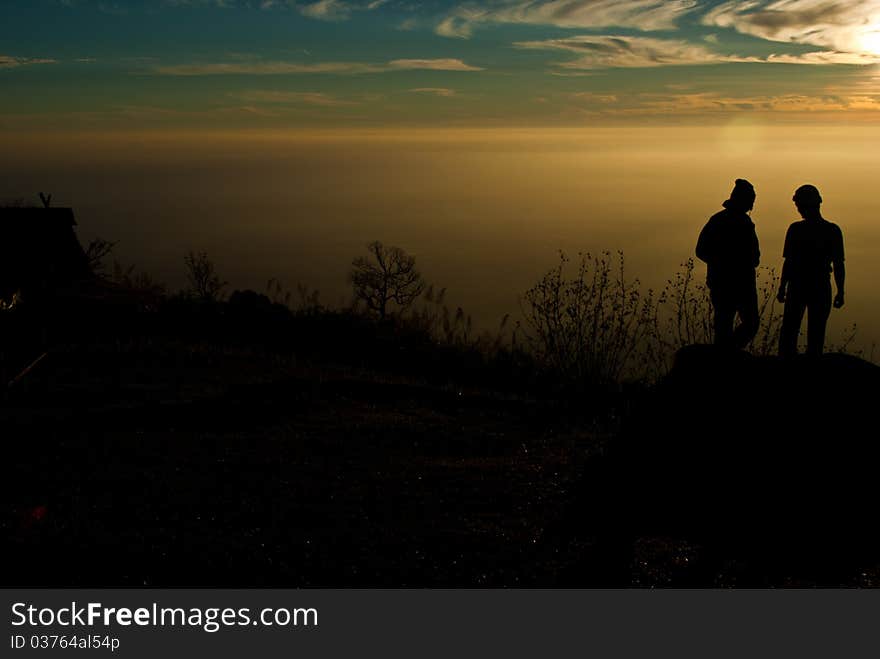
x,y
847,31
708,103
273,97
851,26
222,4
455,27
638,14
408,24
337,10
593,97
436,91
263,68
711,103
153,113
282,68
10,62
327,10
431,64
615,51
869,86
825,57
607,51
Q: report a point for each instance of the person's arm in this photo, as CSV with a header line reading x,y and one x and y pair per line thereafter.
x,y
839,278
785,275
839,270
756,249
783,281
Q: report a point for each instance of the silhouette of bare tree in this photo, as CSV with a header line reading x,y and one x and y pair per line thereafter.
x,y
97,252
202,276
387,275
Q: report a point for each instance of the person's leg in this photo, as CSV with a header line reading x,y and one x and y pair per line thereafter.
x,y
747,307
818,310
724,313
792,316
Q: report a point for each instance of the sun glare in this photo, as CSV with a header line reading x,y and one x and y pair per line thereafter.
x,y
870,40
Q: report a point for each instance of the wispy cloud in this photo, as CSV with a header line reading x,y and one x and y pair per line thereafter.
x,y
611,51
281,68
825,57
158,113
616,51
10,62
435,91
114,8
274,97
708,103
223,4
851,26
593,97
638,14
327,10
432,64
337,10
408,24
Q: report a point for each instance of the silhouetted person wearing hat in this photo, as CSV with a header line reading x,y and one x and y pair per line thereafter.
x,y
813,247
729,246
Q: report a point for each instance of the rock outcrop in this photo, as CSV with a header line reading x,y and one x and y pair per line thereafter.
x,y
756,447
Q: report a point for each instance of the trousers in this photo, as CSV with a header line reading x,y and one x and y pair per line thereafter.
x,y
814,298
728,302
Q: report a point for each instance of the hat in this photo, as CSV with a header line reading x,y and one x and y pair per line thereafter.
x,y
742,189
742,195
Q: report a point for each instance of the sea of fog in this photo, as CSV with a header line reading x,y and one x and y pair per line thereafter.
x,y
484,211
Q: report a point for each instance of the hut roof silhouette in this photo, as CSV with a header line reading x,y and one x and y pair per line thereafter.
x,y
39,251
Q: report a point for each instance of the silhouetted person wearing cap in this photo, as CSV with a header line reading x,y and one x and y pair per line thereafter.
x,y
729,246
813,247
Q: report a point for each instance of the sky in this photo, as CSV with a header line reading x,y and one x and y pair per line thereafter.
x,y
482,137
279,64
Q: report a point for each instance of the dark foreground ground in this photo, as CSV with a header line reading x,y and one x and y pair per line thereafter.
x,y
175,464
